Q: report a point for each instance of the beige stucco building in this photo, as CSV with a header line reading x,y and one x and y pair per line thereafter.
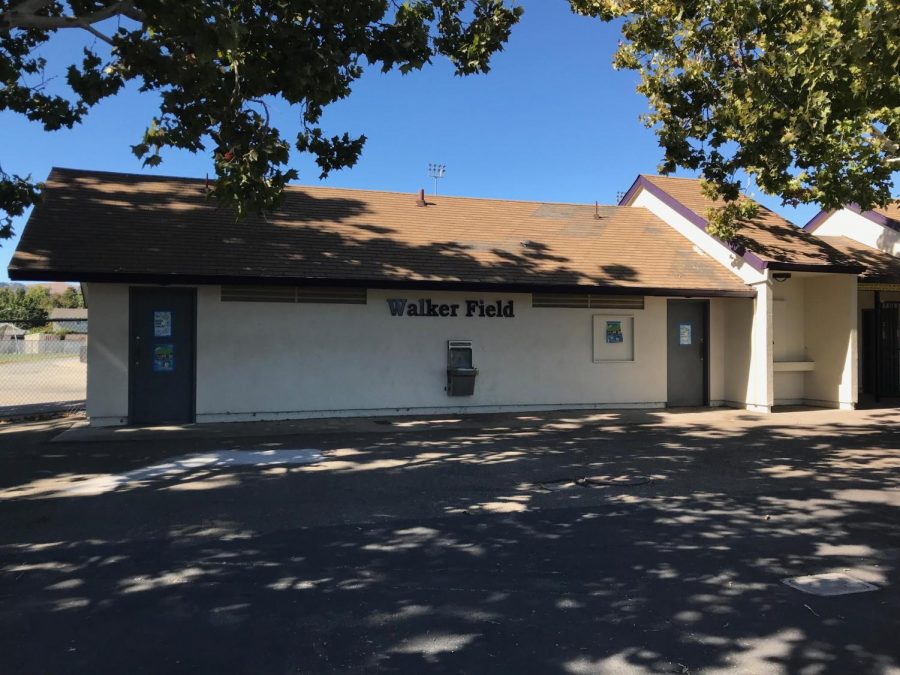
x,y
872,238
350,302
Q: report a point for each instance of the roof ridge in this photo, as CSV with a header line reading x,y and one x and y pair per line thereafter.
x,y
297,187
659,175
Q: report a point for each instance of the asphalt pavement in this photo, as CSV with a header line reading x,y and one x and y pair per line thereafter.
x,y
584,542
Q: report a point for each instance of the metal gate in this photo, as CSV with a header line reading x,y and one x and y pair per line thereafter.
x,y
889,349
881,350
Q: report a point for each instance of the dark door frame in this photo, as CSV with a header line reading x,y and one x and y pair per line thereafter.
x,y
888,349
878,355
706,341
192,293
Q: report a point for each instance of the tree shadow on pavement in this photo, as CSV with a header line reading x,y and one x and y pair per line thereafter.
x,y
448,550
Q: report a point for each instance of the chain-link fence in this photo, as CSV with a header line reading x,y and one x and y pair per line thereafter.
x,y
42,373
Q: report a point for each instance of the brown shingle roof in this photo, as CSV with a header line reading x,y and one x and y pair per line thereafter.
x,y
880,267
105,226
771,239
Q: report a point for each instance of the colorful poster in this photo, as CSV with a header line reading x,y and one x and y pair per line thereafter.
x,y
614,332
162,324
163,358
684,334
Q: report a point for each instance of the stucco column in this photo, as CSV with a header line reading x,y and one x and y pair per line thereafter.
x,y
831,340
761,378
849,387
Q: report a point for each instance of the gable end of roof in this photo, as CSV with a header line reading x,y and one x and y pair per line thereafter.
x,y
754,235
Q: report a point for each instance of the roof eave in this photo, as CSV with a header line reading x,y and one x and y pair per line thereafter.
x,y
775,265
410,284
880,279
817,220
631,192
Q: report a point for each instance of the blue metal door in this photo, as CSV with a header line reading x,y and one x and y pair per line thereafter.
x,y
161,369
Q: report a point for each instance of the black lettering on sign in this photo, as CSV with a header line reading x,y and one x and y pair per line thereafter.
x,y
504,309
396,307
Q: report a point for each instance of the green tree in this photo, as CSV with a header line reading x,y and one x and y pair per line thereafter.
x,y
802,95
70,298
218,66
22,308
40,296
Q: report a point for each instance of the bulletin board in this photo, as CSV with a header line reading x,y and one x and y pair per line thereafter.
x,y
613,337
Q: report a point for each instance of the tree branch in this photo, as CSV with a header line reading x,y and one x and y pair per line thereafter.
x,y
29,6
23,16
888,144
96,33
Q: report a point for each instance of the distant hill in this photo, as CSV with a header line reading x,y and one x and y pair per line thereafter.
x,y
56,287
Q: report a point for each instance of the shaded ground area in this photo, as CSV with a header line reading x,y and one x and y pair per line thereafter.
x,y
462,545
40,383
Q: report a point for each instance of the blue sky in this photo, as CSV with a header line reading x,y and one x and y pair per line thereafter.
x,y
552,121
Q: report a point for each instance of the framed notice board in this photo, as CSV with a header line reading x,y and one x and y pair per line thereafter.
x,y
613,337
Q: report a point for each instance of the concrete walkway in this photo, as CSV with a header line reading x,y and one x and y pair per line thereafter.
x,y
81,432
